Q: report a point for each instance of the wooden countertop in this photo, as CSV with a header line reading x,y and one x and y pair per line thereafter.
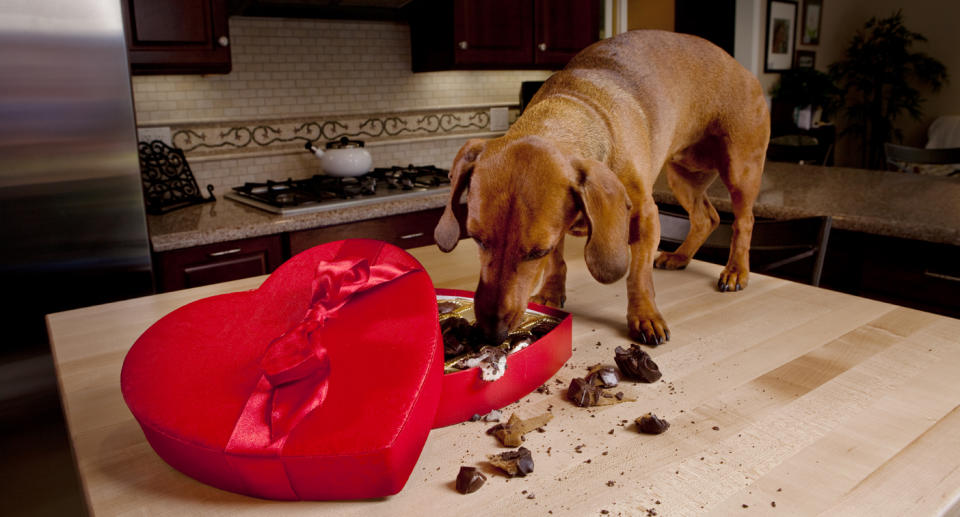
x,y
785,394
909,206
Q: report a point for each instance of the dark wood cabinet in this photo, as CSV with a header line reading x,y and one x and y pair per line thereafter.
x,y
214,263
177,36
500,34
404,230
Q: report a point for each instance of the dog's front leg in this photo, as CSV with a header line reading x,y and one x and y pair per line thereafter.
x,y
553,291
644,320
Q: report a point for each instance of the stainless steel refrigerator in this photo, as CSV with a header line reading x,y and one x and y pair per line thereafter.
x,y
72,222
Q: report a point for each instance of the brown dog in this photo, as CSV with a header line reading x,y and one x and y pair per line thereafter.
x,y
583,159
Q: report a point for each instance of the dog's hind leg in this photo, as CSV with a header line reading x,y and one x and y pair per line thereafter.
x,y
742,178
553,291
689,187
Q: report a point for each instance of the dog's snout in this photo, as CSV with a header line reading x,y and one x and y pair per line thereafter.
x,y
494,319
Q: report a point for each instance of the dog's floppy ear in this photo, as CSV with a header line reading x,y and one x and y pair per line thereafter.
x,y
606,208
447,233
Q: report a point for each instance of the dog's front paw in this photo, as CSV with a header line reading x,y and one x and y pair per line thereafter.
x,y
551,299
648,330
732,279
667,260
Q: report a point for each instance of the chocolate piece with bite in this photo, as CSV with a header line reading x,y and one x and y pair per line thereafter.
x,y
514,463
652,424
636,364
469,480
583,393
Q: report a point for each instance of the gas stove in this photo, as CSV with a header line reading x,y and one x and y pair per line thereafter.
x,y
319,193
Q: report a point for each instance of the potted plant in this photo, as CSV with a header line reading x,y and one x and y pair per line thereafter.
x,y
805,88
878,73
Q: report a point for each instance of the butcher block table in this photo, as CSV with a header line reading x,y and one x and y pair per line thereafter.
x,y
783,399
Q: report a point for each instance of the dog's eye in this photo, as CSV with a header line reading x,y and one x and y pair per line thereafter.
x,y
535,254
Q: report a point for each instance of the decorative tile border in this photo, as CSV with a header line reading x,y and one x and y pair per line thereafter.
x,y
277,135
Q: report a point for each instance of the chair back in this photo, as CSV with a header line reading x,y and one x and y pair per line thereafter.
x,y
900,156
774,244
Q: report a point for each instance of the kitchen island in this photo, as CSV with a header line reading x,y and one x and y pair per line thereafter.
x,y
783,398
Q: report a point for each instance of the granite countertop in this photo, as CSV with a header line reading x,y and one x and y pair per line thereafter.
x,y
226,220
894,204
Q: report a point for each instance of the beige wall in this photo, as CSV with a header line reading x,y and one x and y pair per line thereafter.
x,y
937,20
650,14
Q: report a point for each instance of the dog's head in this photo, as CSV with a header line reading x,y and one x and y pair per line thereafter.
x,y
522,196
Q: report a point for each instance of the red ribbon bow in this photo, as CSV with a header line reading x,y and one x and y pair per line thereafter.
x,y
295,368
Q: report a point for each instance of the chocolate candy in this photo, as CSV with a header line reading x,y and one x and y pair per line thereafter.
x,y
543,327
583,393
447,307
651,424
604,376
636,364
469,480
514,463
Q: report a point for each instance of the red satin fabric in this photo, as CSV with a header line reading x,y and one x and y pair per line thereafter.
x,y
338,407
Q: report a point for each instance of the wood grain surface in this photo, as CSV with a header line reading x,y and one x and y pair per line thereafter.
x,y
784,399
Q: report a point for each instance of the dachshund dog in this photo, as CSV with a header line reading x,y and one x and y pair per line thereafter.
x,y
583,158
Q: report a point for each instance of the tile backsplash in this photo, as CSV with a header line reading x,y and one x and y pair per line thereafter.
x,y
303,80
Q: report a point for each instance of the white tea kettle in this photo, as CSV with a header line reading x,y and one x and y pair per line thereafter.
x,y
343,157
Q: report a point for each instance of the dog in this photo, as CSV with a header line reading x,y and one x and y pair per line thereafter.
x,y
583,158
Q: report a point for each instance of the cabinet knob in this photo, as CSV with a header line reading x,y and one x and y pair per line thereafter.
x,y
542,47
463,45
223,41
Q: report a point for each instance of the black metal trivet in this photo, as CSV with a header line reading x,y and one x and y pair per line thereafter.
x,y
168,182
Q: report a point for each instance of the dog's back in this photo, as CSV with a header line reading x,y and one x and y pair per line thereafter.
x,y
670,88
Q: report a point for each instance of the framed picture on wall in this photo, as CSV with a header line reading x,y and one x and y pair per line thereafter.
x,y
812,11
781,35
805,59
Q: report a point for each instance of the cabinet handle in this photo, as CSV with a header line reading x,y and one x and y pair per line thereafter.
x,y
224,252
463,45
412,235
542,47
941,276
223,41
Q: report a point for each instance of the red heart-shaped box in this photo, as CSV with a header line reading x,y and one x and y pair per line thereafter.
x,y
321,384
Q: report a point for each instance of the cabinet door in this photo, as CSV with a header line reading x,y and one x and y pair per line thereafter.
x,y
177,36
564,28
488,33
215,263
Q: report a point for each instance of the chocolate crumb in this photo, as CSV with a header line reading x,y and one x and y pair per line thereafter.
x,y
531,496
746,506
610,431
611,483
637,364
469,480
651,424
773,504
604,512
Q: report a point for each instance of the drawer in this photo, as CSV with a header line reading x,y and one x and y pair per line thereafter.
x,y
214,263
405,231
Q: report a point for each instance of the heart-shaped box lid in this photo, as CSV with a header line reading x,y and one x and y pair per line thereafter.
x,y
268,392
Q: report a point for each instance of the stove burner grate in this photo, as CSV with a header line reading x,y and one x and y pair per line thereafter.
x,y
317,189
